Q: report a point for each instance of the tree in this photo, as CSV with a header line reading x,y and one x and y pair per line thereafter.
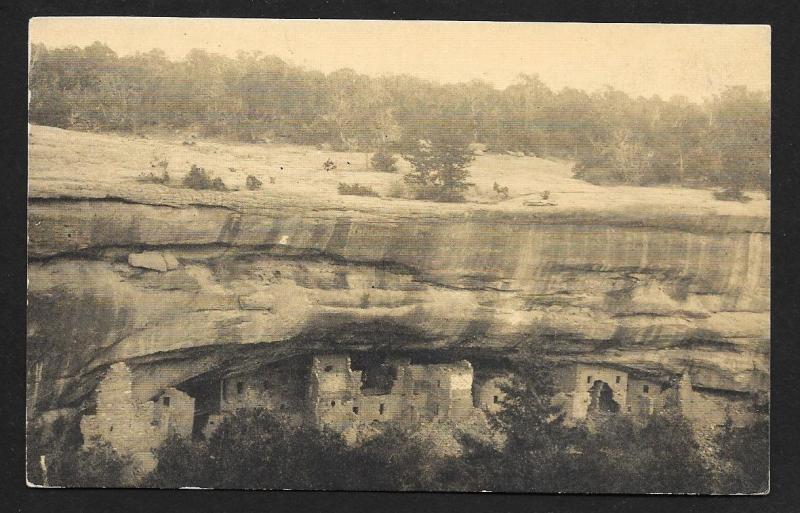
x,y
256,449
67,463
182,462
439,169
384,161
396,460
741,137
536,437
746,449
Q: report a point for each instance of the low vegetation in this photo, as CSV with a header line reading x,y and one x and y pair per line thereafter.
x,y
356,189
199,179
252,183
384,161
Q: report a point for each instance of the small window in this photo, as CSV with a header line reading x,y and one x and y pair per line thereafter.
x,y
646,389
436,409
355,410
381,408
328,368
439,383
588,379
495,399
619,378
239,387
333,403
166,401
111,429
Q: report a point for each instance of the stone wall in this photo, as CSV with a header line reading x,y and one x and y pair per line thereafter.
x,y
131,426
419,392
573,384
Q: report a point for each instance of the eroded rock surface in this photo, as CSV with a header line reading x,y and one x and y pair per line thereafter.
x,y
682,296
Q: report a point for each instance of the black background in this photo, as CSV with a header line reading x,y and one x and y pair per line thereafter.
x,y
785,251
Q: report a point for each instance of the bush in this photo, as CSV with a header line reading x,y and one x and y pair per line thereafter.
x,y
253,183
199,179
384,161
218,185
164,179
747,451
256,449
329,165
181,463
731,194
69,464
356,190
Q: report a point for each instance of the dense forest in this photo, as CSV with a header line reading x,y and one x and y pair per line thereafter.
x,y
540,453
723,142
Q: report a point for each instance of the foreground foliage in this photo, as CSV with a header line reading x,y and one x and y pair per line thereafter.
x,y
257,449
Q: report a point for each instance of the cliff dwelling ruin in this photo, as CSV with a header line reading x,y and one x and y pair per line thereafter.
x,y
330,391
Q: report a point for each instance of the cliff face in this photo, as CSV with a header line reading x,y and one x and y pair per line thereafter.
x,y
667,295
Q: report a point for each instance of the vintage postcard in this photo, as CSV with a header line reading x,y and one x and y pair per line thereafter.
x,y
396,255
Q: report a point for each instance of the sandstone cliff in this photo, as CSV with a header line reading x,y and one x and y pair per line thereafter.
x,y
664,287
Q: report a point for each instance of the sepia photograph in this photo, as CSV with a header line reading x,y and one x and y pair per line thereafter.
x,y
364,255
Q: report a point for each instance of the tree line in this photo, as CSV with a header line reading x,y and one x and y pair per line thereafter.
x,y
613,138
261,450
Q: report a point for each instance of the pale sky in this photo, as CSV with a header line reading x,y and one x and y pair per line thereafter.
x,y
691,60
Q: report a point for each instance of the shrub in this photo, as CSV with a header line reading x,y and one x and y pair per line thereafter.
x,y
329,165
253,183
356,190
501,191
153,178
731,194
181,462
71,465
256,449
747,451
384,161
199,179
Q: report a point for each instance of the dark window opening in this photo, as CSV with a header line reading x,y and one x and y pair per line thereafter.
x,y
588,379
328,368
436,409
111,428
166,401
333,403
602,398
439,383
495,399
355,410
381,408
645,389
619,378
239,387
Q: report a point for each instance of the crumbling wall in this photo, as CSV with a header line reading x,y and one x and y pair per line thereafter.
x,y
488,394
173,412
419,392
646,397
134,427
578,379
